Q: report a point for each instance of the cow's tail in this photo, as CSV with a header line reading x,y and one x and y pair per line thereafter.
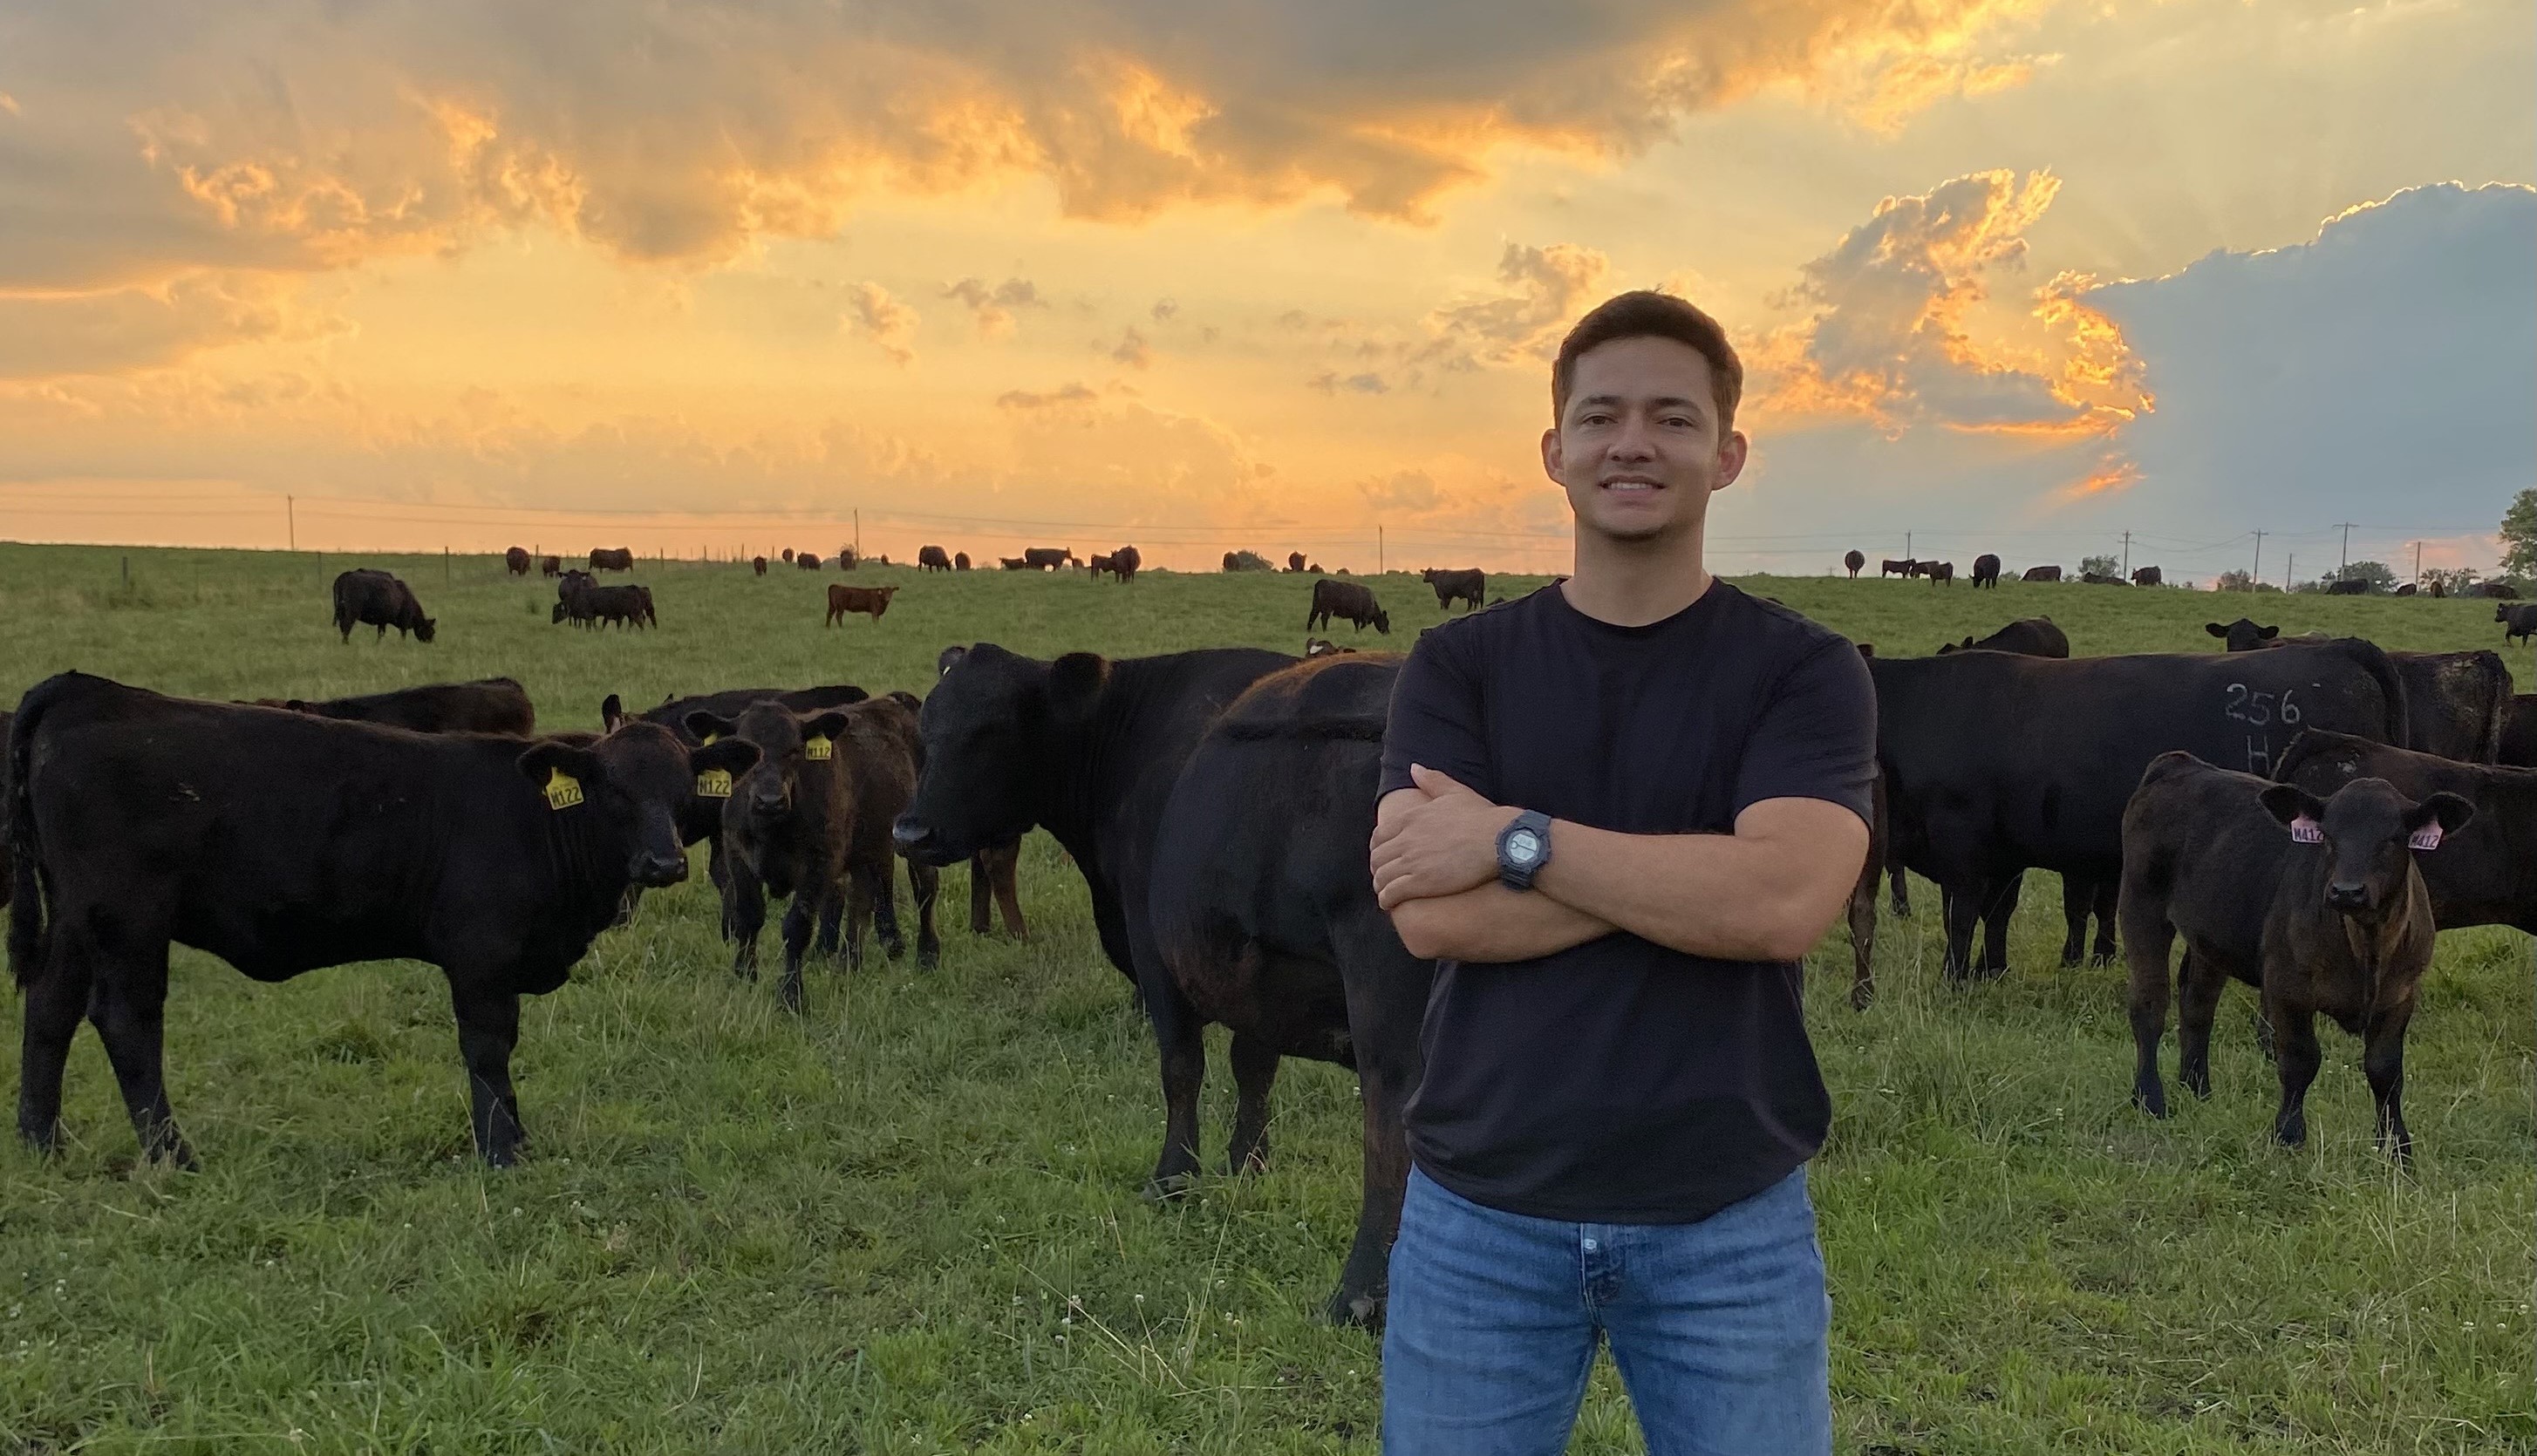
x,y
2397,730
342,608
27,908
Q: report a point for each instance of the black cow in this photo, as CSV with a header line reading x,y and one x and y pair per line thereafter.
x,y
701,819
375,598
2148,576
932,558
1998,763
1295,562
1095,751
2034,637
1048,558
2519,624
1939,572
1350,603
282,843
1986,571
2355,587
2519,733
758,564
515,561
620,559
1855,561
488,705
1467,586
2042,574
2458,704
2487,874
2332,915
2495,591
2242,635
808,560
586,605
1907,568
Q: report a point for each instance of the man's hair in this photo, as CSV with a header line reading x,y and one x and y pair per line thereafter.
x,y
1645,313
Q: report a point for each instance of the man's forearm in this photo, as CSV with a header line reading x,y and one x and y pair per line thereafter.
x,y
1492,924
1717,895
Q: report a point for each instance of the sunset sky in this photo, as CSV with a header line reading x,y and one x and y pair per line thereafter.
x,y
2008,275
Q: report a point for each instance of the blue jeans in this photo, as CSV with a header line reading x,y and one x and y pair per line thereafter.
x,y
1721,1328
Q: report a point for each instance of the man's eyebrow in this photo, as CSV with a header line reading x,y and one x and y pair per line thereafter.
x,y
1660,401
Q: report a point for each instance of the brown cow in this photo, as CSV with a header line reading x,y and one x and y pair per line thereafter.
x,y
1050,558
515,561
759,564
1907,568
806,560
960,561
2042,574
932,558
1348,602
1855,560
602,558
550,566
872,601
1295,561
1939,572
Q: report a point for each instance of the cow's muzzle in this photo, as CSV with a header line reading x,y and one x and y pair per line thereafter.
x,y
656,872
2349,898
915,839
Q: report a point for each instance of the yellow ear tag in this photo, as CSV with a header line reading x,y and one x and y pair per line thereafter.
x,y
817,748
714,784
563,790
711,739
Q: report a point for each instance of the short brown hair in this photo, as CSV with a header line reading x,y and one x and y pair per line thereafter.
x,y
1645,313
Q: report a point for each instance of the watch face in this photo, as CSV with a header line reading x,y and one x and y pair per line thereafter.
x,y
1524,847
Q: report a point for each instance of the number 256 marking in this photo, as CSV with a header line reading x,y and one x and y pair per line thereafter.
x,y
2248,706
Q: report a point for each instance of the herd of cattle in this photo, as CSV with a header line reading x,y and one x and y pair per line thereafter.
x,y
2303,814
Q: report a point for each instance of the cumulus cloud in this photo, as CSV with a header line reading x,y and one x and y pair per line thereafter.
x,y
993,306
165,134
113,331
1546,288
889,323
1132,350
1402,490
1073,392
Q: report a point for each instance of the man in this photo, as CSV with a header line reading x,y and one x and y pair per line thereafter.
x,y
1618,812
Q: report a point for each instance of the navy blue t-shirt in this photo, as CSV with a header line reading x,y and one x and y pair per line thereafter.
x,y
1620,1081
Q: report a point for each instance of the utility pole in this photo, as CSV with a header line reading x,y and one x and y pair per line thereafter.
x,y
2258,577
290,520
1378,550
2347,551
2127,556
2289,573
1907,548
2418,561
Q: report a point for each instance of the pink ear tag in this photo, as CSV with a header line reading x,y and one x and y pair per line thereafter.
x,y
2304,831
2426,838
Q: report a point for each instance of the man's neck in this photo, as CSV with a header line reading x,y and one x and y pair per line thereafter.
x,y
1631,583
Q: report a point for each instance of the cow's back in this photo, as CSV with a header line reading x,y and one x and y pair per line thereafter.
x,y
2458,704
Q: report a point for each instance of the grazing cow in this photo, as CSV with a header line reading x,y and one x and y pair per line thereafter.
x,y
1016,563
1855,560
1125,562
1986,571
1467,586
620,559
1295,562
1181,810
2042,574
1972,800
1907,568
2330,915
960,561
872,601
2356,587
2407,590
807,560
2034,637
758,564
515,561
1322,647
847,558
2486,874
282,843
375,598
1348,602
586,605
2102,579
1941,572
932,558
2519,624
550,566
2148,576
488,705
1048,558
2519,733
2495,591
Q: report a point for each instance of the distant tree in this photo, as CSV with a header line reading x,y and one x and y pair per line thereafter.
x,y
2454,580
2519,535
2100,566
2231,581
2375,573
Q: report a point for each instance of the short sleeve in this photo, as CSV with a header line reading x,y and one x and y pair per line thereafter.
x,y
1816,737
1436,718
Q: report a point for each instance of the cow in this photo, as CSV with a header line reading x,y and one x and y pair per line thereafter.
x,y
375,598
2488,875
2319,903
550,566
2519,624
2518,748
1015,563
1973,802
2407,590
515,561
1295,562
758,564
488,705
788,555
2148,576
807,560
1124,563
1907,568
2042,574
620,559
2102,579
283,843
1185,787
2034,637
1048,558
1348,602
1322,647
2494,590
848,558
2353,587
1855,561
1986,571
1941,572
843,601
2242,635
960,561
586,605
1467,586
932,558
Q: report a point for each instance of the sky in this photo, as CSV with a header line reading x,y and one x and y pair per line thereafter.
x,y
2018,276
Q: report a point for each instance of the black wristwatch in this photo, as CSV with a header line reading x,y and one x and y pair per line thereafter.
x,y
1524,847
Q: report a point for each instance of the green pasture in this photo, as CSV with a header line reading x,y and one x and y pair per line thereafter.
x,y
910,1221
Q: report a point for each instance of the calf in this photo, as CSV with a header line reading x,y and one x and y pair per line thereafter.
x,y
620,559
1907,568
1986,571
375,598
2484,875
844,600
1015,563
491,705
2330,917
550,566
1855,560
283,843
515,561
785,826
1939,572
1350,603
932,558
1467,586
2519,624
2042,574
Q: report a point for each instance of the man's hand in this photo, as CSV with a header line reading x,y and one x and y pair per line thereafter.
x,y
1444,842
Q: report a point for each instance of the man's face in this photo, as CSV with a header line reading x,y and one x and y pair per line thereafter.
x,y
1638,448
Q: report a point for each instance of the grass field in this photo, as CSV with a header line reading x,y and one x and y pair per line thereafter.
x,y
910,1222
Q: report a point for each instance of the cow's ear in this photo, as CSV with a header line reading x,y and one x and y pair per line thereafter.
x,y
2269,633
708,726
952,657
544,760
2295,807
831,724
1075,684
2215,630
611,712
733,756
2444,813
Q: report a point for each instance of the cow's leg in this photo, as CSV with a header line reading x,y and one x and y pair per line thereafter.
x,y
1179,1038
1863,941
885,907
2382,1060
1999,908
2198,986
1387,998
56,999
128,1003
925,886
1255,1072
1901,893
488,1027
2295,1055
2077,896
1003,867
2150,939
743,915
981,894
858,916
2109,904
1961,907
799,919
